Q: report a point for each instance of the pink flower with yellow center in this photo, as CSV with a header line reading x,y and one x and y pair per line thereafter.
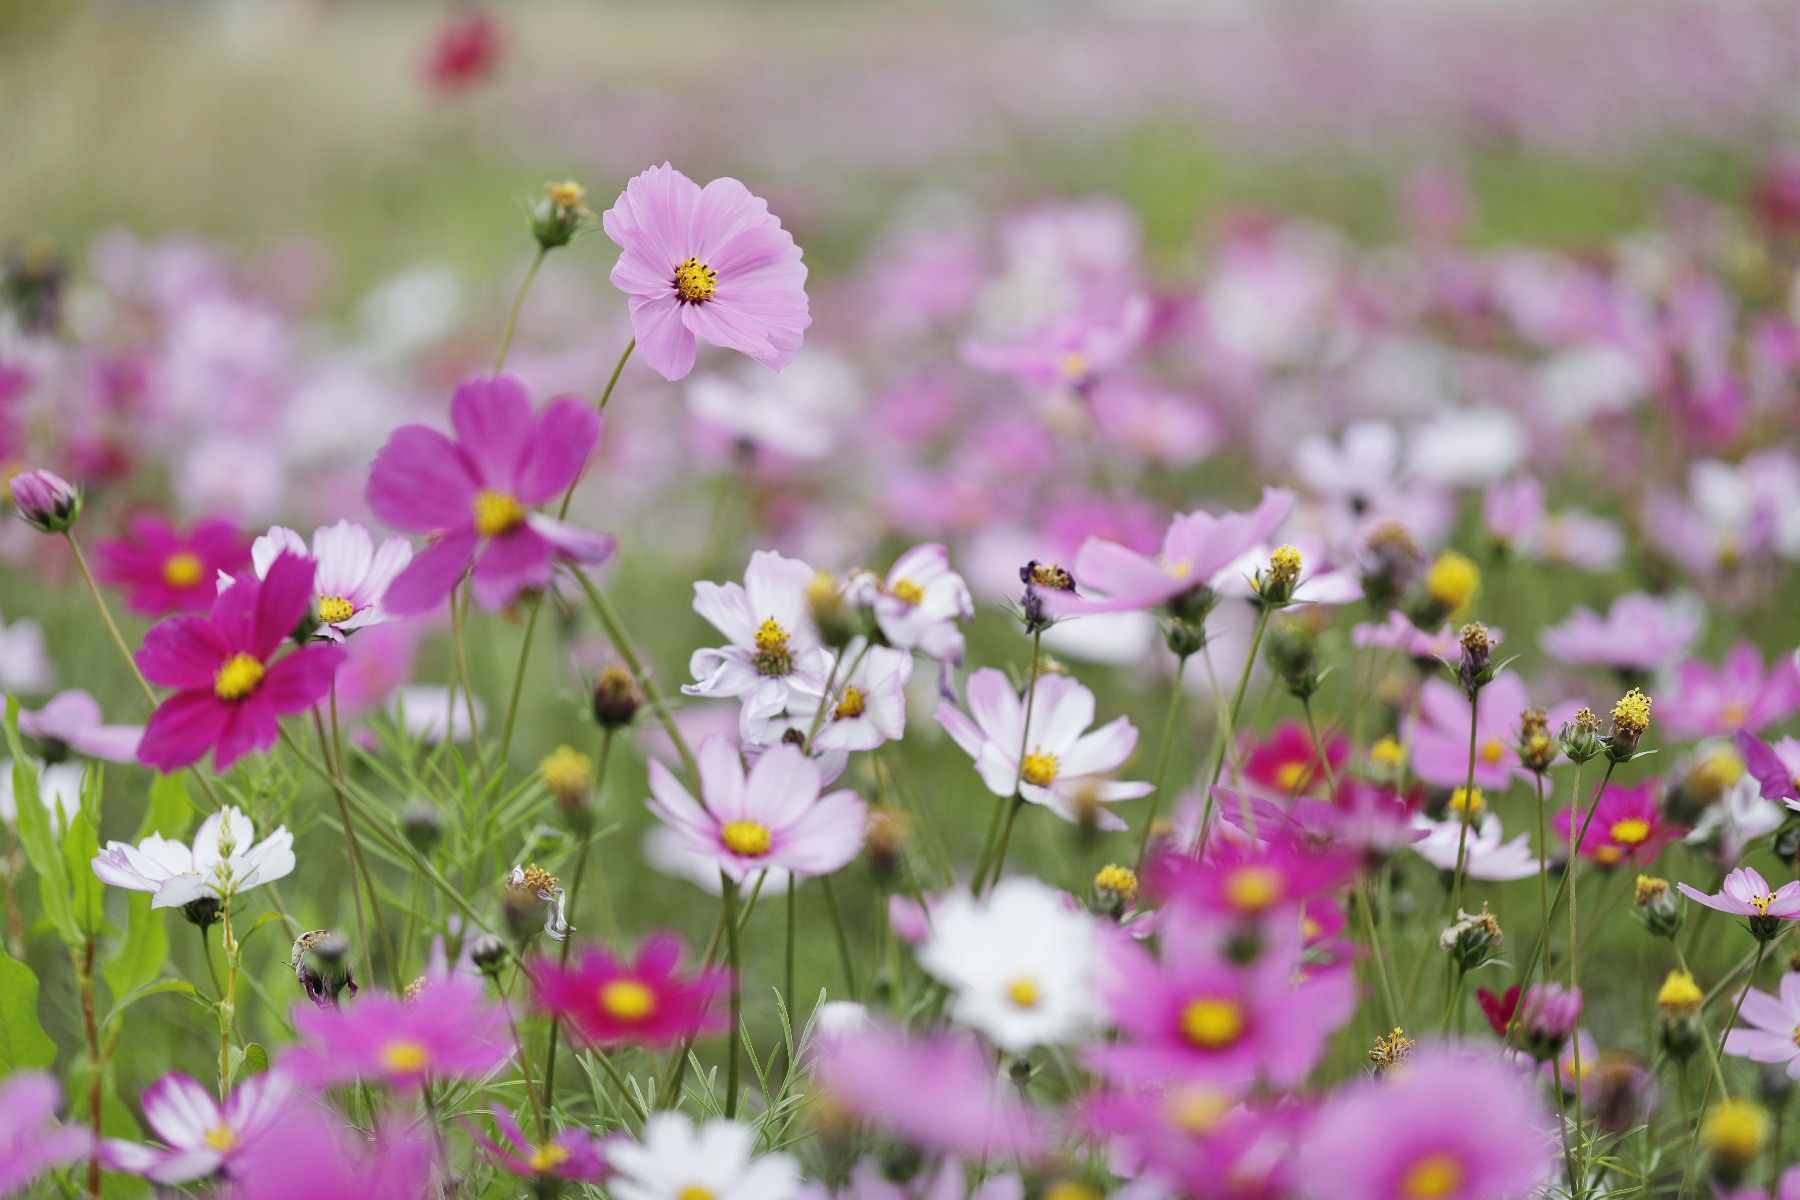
x,y
1627,825
164,570
444,1031
608,1001
1737,695
1287,762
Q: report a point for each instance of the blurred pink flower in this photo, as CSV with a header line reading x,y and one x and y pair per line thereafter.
x,y
164,570
443,1031
1627,823
1640,634
466,51
1737,696
1440,735
574,1154
72,720
31,1142
202,1137
610,1001
317,1157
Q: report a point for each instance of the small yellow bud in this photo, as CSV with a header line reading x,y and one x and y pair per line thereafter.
x,y
1680,995
568,774
1632,713
1453,580
1117,884
1735,1132
1649,888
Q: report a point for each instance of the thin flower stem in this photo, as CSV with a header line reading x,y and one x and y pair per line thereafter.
x,y
988,850
1574,939
531,1092
1468,806
735,966
581,858
1543,874
1366,902
1762,948
837,928
618,1081
621,642
350,855
362,861
1455,996
84,970
1170,723
1228,732
787,965
1012,815
457,619
1320,750
1706,1037
512,317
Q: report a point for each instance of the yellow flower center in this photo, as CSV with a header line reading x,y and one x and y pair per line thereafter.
x,y
1212,1024
907,590
1289,776
1630,831
1252,889
850,706
404,1056
746,838
1463,800
238,677
1387,753
221,1138
1493,750
182,569
1023,992
1608,856
1734,714
1196,1111
772,657
1434,1177
333,609
548,1157
694,1191
1736,1130
1762,903
627,999
497,513
1038,769
695,281
1074,365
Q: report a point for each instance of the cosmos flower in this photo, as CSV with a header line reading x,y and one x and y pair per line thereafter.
x,y
1064,766
316,1155
1440,736
1738,695
1627,823
1738,817
919,604
613,1002
1203,1136
774,652
574,1154
1245,880
1746,893
202,1138
1071,351
31,1142
802,414
1772,1020
229,694
474,495
465,52
164,570
72,721
1776,768
772,816
674,1160
1286,762
443,1031
58,784
1022,963
1397,632
226,859
24,665
350,576
1486,854
709,263
867,705
1639,634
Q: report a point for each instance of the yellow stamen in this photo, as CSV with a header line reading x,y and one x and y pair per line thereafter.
x,y
907,590
1632,712
627,999
496,513
772,657
1452,580
1462,800
222,1139
1290,775
548,1157
746,838
1387,753
333,609
1433,1177
850,706
1212,1024
1252,889
695,282
404,1056
1630,831
1493,750
1197,1110
1679,994
694,1191
238,677
1039,769
182,569
1023,992
1119,881
1074,366
567,772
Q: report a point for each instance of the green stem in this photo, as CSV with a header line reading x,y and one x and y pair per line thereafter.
x,y
350,855
1229,731
112,627
1162,757
1367,903
1706,1094
837,928
1468,807
1320,750
621,643
512,318
734,1035
457,615
1711,1054
787,965
581,857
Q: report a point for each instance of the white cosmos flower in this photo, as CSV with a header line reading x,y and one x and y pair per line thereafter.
x,y
920,602
1739,817
867,705
673,1160
225,859
352,575
774,650
1024,963
58,783
1485,855
426,711
24,665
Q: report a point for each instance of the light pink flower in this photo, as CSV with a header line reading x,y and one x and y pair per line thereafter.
x,y
73,719
774,652
1738,695
1640,633
1440,735
1747,894
350,575
1772,1020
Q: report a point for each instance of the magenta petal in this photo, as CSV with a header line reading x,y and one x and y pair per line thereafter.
x,y
430,576
282,600
252,726
181,652
301,679
557,449
509,564
493,427
182,729
421,482
667,347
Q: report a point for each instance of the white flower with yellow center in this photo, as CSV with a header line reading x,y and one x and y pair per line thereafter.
x,y
674,1160
1485,852
225,859
920,603
1024,963
351,577
774,647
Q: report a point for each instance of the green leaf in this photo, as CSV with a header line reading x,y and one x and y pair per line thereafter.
x,y
146,946
87,894
251,1060
170,808
150,989
39,836
23,1042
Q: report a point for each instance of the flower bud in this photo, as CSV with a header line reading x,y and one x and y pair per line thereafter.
x,y
1536,749
560,214
1473,939
1547,1017
1631,717
1387,761
1734,1135
1657,906
616,698
568,774
1115,890
1774,1086
1275,584
1184,638
321,962
422,824
886,841
1476,668
204,911
1293,654
1391,563
1450,584
1037,577
1580,738
488,953
46,501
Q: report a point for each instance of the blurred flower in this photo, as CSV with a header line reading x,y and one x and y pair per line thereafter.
x,y
1287,762
574,1154
1735,819
202,1138
612,1002
918,605
1772,1020
1626,823
350,576
46,501
1547,1017
1639,634
1738,695
803,413
465,52
164,570
712,263
314,1155
675,1160
72,721
1440,736
1499,1010
24,666
444,1031
1074,350
225,859
31,1142
1485,852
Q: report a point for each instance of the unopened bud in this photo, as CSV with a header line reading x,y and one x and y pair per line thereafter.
x,y
1115,890
1734,1135
423,825
1391,564
1476,668
568,774
1657,906
488,953
46,501
1275,584
886,841
560,214
1580,738
1293,654
616,698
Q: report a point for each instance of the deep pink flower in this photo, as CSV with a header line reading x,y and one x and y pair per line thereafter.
x,y
1244,881
1440,735
474,495
45,500
613,1002
1747,894
1070,351
444,1031
1776,768
1451,1127
1286,763
31,1142
709,263
1201,1136
72,719
228,693
1628,823
1498,1010
1638,634
1547,1017
573,1154
202,1137
316,1157
1738,695
164,570
464,53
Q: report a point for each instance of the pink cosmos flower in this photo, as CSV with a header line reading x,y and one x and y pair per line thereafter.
x,y
1070,351
164,570
72,720
772,817
1453,1127
444,1031
1628,823
350,577
613,1002
1746,893
1640,633
1196,547
31,1142
316,1157
474,495
1516,519
1201,1136
940,1094
1772,1020
1244,881
1064,766
202,1137
1484,850
1776,768
1396,632
574,1154
229,693
709,263
1738,695
1286,763
1440,734
918,605
465,51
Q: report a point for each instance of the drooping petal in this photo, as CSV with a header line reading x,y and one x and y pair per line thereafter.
x,y
430,576
664,341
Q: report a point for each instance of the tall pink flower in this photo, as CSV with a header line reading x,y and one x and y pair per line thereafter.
x,y
445,1031
617,1002
229,693
1737,695
709,263
164,570
474,495
317,1156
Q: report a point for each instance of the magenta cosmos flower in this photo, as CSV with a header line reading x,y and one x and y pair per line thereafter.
x,y
201,1137
229,693
1286,763
164,570
1628,823
612,1002
1747,894
1737,695
444,1030
1203,1137
1462,1127
72,721
317,1156
1776,768
574,1154
709,263
771,817
31,1142
1440,735
474,495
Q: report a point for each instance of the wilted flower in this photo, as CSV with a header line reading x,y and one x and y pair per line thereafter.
x,y
1473,939
533,898
1390,1051
616,698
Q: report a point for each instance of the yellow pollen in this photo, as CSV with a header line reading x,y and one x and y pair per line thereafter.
x,y
1493,751
1453,580
772,657
238,677
1252,889
850,706
1038,769
694,1191
222,1139
627,999
746,838
1762,904
1608,856
1070,1189
567,194
1387,753
1120,881
1212,1024
1797,1035
1023,992
548,1157
333,609
1434,1177
1462,800
1736,1130
695,281
497,513
404,1056
567,772
182,569
1680,994
1734,714
1291,775
1197,1111
1630,831
1632,712
1285,564
907,590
